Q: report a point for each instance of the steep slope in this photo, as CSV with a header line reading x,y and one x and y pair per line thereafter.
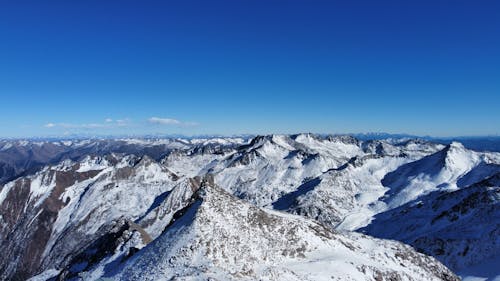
x,y
346,197
447,169
124,237
50,216
223,238
460,228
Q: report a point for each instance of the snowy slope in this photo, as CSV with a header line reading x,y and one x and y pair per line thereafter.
x,y
49,215
447,169
336,180
219,237
460,228
273,166
343,198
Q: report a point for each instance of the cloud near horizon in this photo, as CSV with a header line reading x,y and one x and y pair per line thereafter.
x,y
170,121
108,123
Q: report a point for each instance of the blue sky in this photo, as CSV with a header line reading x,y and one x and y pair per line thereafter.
x,y
232,67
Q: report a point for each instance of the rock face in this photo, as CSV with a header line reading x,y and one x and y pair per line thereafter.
x,y
95,212
27,224
48,216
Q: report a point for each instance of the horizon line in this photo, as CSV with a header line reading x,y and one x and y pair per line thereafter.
x,y
242,135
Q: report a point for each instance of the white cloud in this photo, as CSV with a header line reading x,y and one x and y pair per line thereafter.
x,y
110,124
107,124
164,121
170,121
95,125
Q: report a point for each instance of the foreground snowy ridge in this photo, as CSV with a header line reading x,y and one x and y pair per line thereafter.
x,y
219,237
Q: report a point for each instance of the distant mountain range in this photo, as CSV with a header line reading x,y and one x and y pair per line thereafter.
x,y
481,143
274,207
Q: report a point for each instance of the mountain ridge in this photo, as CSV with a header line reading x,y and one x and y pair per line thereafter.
x,y
111,201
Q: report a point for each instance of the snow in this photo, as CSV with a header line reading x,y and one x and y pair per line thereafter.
x,y
6,146
5,190
208,242
335,148
67,143
339,181
460,225
41,186
106,197
282,141
45,275
92,163
182,163
182,143
219,141
440,171
274,166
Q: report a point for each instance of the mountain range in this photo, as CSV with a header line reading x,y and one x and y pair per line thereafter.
x,y
274,207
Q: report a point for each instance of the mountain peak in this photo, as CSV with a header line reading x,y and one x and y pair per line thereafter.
x,y
456,145
221,237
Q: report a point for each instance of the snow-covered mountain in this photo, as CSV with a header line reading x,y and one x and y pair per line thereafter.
x,y
323,178
19,157
460,228
49,215
219,237
103,208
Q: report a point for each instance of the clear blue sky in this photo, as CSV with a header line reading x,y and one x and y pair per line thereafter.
x,y
230,67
